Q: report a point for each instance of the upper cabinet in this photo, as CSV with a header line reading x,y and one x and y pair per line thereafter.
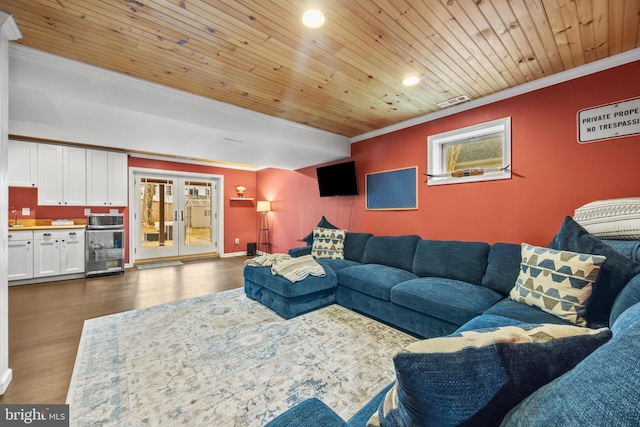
x,y
62,175
23,164
106,178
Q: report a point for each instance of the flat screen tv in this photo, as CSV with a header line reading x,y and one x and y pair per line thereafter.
x,y
338,180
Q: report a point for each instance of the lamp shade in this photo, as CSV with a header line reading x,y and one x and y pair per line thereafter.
x,y
264,206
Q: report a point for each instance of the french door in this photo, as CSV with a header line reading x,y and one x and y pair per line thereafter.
x,y
175,215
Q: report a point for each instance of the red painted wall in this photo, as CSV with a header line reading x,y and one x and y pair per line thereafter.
x,y
552,173
240,217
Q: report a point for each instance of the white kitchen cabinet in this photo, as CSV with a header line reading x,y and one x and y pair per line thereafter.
x,y
72,253
20,255
23,164
58,252
62,175
106,178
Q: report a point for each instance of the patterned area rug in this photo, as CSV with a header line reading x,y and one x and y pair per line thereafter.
x,y
226,360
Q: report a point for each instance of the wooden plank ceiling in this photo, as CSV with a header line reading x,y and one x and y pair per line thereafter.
x,y
346,76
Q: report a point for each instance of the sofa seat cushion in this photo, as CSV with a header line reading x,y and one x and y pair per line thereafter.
x,y
486,321
451,259
475,377
310,413
447,299
602,390
525,313
336,264
281,286
373,279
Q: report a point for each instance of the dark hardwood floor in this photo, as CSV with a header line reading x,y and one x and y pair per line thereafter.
x,y
46,319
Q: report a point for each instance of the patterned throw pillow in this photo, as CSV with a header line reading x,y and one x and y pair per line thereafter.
x,y
328,243
558,282
474,378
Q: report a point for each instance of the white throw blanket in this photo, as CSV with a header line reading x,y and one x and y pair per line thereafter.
x,y
292,269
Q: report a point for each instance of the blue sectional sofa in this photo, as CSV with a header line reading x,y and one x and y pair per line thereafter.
x,y
434,288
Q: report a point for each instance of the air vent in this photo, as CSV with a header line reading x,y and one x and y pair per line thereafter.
x,y
229,141
453,101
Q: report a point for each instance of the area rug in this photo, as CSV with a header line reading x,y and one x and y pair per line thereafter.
x,y
226,360
158,265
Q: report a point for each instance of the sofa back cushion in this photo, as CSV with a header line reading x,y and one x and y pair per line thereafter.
x,y
394,251
354,244
602,390
614,275
503,267
451,259
629,296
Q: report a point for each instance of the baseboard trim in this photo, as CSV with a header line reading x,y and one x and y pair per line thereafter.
x,y
232,254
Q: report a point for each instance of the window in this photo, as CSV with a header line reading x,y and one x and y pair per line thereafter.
x,y
476,153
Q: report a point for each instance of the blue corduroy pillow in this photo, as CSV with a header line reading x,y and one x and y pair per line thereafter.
x,y
322,224
475,377
614,275
602,390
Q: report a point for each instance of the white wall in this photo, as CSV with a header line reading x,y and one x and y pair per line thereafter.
x,y
8,31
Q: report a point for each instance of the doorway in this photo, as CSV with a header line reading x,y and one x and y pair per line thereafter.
x,y
175,215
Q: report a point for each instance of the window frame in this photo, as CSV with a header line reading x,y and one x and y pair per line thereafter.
x,y
437,173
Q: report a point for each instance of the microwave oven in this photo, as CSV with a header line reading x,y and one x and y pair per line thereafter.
x,y
105,221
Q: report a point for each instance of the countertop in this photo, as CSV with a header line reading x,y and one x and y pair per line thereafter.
x,y
47,227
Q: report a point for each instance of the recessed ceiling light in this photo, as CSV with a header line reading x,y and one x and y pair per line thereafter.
x,y
410,81
313,18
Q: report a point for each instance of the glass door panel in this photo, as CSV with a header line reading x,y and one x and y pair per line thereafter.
x,y
197,226
156,216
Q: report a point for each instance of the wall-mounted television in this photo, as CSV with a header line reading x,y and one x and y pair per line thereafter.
x,y
338,180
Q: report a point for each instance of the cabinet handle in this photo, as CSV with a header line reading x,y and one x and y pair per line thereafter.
x,y
10,236
73,233
47,234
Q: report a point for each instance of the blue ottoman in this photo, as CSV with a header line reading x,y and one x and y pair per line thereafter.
x,y
286,298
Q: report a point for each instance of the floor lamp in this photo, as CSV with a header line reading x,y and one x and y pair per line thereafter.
x,y
264,240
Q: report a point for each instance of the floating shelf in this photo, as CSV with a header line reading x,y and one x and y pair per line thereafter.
x,y
241,198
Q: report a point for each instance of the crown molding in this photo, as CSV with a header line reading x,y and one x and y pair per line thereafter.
x,y
564,76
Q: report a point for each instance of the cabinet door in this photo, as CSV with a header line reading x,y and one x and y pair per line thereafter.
x,y
72,255
118,179
46,259
23,164
49,174
97,177
20,259
74,176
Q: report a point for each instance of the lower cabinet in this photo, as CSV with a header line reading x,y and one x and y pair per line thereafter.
x,y
20,255
58,252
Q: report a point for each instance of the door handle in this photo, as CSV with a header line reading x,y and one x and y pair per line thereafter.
x,y
181,215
